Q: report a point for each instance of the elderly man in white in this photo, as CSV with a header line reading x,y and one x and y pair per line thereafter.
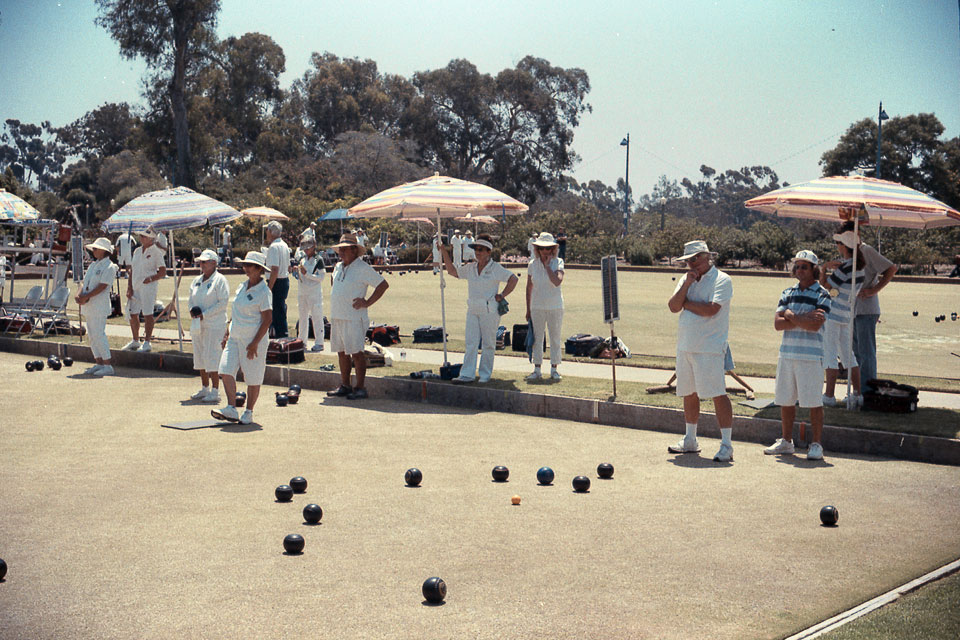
x,y
348,313
209,299
278,276
146,271
310,272
702,298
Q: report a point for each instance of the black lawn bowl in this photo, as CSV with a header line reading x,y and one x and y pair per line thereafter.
x,y
292,397
916,313
284,493
38,365
413,477
581,484
605,470
545,475
500,473
196,312
241,399
29,365
67,361
312,513
295,388
3,569
298,484
282,399
293,543
434,590
55,365
829,516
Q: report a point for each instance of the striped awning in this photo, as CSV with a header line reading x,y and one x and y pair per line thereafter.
x,y
437,195
887,204
176,208
15,208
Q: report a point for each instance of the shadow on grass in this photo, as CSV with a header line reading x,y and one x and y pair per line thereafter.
x,y
925,421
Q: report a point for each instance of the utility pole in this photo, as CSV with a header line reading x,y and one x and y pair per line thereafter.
x,y
881,116
626,188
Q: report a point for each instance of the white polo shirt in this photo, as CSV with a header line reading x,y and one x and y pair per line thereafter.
x,y
125,245
146,264
699,334
544,295
483,286
247,306
101,271
311,281
212,296
348,283
278,255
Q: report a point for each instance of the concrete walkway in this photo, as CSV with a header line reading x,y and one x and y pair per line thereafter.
x,y
505,361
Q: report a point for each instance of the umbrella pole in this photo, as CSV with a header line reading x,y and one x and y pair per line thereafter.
x,y
443,308
176,292
853,304
418,243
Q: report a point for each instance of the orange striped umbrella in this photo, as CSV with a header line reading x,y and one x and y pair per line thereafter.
x,y
437,196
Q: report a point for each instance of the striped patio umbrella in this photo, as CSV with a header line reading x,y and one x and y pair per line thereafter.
x,y
13,207
887,204
439,196
169,209
861,199
264,212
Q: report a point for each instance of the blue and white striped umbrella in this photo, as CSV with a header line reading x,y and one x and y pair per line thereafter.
x,y
169,209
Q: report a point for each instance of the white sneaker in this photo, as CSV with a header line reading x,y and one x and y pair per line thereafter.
x,y
104,370
93,370
536,375
316,347
482,380
828,401
725,454
227,413
145,347
815,452
780,447
685,446
200,394
133,345
854,402
213,396
555,375
247,417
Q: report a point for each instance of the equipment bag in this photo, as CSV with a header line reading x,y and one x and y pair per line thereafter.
x,y
519,337
581,345
450,371
62,327
503,337
375,356
116,310
428,333
384,334
310,333
890,397
15,324
285,351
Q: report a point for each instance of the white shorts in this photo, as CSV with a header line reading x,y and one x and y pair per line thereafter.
x,y
143,300
206,347
234,358
836,344
347,336
799,380
700,373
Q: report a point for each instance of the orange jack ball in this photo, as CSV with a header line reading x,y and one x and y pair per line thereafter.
x,y
515,499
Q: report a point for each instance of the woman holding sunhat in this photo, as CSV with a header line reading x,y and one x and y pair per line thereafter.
x,y
94,301
245,341
545,302
209,298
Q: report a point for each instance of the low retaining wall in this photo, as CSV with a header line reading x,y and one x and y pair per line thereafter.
x,y
618,414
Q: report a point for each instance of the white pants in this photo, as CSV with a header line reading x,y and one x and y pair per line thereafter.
x,y
480,325
234,357
837,344
310,308
206,347
97,332
551,320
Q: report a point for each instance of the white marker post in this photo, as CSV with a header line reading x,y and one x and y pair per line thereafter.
x,y
611,308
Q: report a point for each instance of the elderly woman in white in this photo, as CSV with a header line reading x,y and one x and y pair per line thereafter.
x,y
94,301
245,341
209,298
545,302
483,299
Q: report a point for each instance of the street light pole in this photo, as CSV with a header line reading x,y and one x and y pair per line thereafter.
x,y
881,116
626,188
663,204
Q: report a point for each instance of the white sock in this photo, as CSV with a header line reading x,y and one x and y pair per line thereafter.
x,y
205,389
725,436
691,431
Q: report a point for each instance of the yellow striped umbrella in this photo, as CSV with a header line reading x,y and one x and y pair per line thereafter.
x,y
13,207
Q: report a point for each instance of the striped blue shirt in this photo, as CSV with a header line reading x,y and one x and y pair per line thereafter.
x,y
800,344
840,280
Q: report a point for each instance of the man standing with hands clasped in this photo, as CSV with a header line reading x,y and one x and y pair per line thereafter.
x,y
278,276
146,271
702,298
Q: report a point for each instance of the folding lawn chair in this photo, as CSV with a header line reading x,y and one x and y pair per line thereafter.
x,y
55,308
22,307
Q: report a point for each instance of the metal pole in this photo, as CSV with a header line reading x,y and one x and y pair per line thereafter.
x,y
443,307
853,301
614,347
880,118
626,187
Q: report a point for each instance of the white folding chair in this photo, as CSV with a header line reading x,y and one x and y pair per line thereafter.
x,y
53,309
23,306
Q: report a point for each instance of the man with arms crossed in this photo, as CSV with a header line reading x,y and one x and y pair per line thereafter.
x,y
702,298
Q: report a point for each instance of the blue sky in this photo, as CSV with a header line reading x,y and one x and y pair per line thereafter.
x,y
726,84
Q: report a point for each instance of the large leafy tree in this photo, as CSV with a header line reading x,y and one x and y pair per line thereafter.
x,y
102,132
912,153
32,152
513,131
169,35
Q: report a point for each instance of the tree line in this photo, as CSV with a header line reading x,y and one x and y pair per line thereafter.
x,y
214,117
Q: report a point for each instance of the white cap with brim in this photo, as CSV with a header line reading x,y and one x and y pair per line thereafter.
x,y
847,238
100,243
808,256
694,248
207,255
480,242
255,257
